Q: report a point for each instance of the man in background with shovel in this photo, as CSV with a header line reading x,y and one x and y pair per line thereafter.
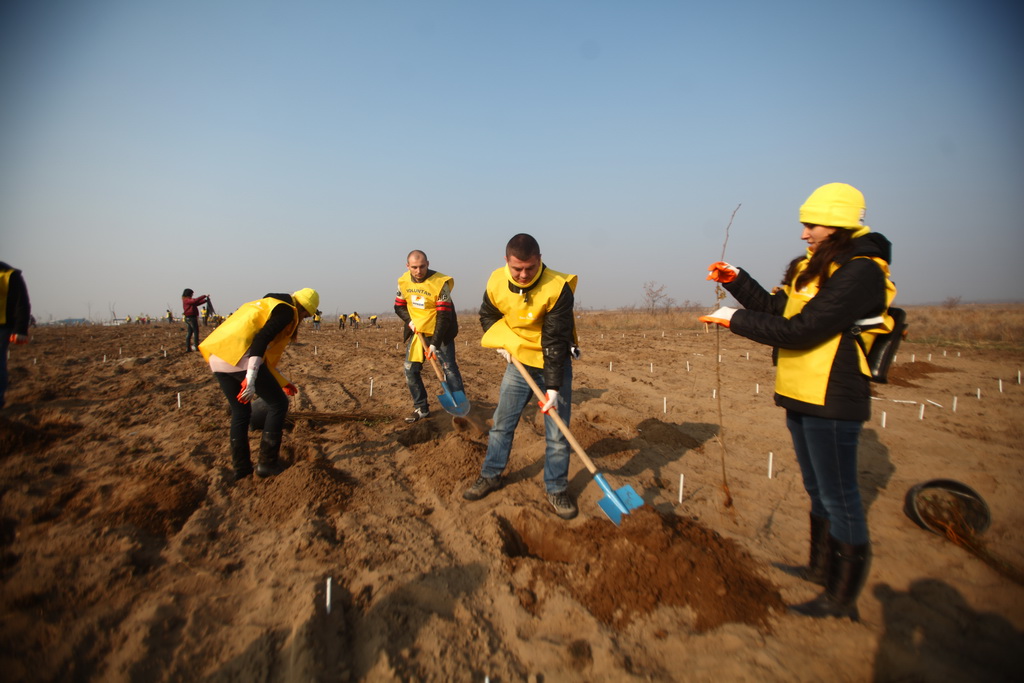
x,y
527,313
424,303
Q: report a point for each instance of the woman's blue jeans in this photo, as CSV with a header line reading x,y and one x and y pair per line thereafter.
x,y
514,394
827,452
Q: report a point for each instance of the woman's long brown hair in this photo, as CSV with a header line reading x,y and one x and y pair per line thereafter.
x,y
832,249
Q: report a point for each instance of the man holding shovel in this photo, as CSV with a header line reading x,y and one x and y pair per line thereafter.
x,y
527,314
424,303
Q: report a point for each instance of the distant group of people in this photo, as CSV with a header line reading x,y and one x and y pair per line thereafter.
x,y
822,321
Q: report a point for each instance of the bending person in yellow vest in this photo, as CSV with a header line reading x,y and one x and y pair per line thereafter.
x,y
243,353
839,287
527,311
424,303
15,316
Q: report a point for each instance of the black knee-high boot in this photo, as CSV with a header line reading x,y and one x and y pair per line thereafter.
x,y
816,569
269,462
240,458
847,573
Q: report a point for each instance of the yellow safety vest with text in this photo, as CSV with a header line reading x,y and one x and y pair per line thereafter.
x,y
421,302
802,374
233,337
519,331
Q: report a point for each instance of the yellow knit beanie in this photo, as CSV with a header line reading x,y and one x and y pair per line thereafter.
x,y
836,205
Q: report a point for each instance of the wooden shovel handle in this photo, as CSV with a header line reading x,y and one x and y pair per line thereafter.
x,y
433,361
553,414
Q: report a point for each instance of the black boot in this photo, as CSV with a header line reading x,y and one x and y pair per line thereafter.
x,y
847,574
270,448
240,458
817,567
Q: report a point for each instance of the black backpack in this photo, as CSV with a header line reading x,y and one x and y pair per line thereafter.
x,y
883,351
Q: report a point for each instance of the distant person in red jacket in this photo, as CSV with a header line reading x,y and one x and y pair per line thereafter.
x,y
190,312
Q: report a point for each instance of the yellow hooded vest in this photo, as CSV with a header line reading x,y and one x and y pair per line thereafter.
x,y
5,278
421,301
803,374
519,331
232,338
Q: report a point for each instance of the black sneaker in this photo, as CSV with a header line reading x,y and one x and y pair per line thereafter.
x,y
565,506
418,414
481,487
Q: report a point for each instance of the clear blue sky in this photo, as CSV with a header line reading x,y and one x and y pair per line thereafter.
x,y
240,147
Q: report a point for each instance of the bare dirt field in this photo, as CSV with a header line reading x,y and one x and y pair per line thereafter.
x,y
127,554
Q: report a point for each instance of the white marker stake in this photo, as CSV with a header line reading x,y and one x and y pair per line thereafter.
x,y
165,353
179,399
979,394
719,358
104,358
769,464
920,413
652,372
328,595
954,404
757,388
371,386
681,479
748,355
1018,377
688,368
664,404
1000,385
883,419
929,357
314,349
609,366
913,357
939,405
714,393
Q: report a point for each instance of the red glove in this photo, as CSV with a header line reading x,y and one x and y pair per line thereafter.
x,y
552,402
720,271
720,317
19,339
247,393
290,389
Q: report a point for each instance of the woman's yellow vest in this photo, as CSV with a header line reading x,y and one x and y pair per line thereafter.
x,y
233,337
803,374
5,278
519,331
421,301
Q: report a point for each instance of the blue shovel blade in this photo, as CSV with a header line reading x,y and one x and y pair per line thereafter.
x,y
617,502
454,402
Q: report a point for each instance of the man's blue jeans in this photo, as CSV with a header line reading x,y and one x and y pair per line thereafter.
x,y
827,452
514,394
449,366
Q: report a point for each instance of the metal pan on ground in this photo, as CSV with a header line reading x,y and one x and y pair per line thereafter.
x,y
937,501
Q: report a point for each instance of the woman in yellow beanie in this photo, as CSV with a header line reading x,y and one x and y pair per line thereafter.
x,y
243,353
840,287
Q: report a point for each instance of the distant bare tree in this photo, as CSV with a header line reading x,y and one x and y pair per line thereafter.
x,y
656,299
951,302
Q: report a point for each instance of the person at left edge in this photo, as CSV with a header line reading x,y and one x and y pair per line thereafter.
x,y
243,353
15,314
190,314
424,303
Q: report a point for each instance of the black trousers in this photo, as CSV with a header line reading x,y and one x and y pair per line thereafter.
x,y
267,388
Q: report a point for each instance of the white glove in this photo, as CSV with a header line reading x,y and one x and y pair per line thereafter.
x,y
552,402
432,352
412,325
574,351
248,391
720,317
504,354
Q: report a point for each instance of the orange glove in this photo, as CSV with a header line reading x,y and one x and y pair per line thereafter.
x,y
431,352
19,339
290,389
720,317
247,393
552,402
720,271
